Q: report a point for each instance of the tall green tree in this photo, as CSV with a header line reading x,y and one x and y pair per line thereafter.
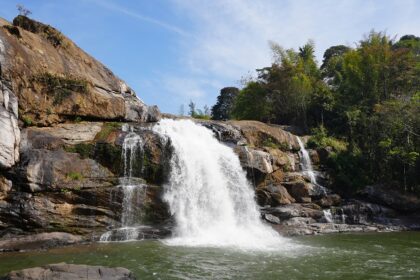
x,y
222,110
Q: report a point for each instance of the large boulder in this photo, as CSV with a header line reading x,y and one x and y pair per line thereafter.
x,y
223,131
63,271
256,159
259,134
273,195
55,80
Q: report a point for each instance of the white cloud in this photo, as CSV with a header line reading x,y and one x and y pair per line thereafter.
x,y
116,8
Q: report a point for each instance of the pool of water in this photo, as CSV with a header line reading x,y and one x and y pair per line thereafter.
x,y
342,256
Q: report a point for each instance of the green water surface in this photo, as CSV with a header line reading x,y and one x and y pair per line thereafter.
x,y
342,256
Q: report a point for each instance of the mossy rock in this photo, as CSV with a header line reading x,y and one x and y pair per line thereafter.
x,y
60,87
107,129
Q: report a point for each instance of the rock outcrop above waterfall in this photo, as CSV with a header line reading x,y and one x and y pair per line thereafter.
x,y
63,271
51,80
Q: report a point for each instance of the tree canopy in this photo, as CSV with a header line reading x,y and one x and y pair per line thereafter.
x,y
367,97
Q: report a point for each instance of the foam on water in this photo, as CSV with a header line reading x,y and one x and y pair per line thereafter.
x,y
208,193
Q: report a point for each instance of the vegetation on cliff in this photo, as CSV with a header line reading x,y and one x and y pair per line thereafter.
x,y
363,102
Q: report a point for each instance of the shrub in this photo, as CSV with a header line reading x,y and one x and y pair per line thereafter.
x,y
320,139
76,176
61,87
84,150
27,121
48,32
13,30
107,129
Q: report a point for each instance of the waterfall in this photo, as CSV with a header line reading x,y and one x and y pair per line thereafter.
x,y
306,162
133,191
208,193
328,216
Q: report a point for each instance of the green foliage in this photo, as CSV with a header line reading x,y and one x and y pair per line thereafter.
x,y
270,143
13,30
52,35
60,87
197,113
83,149
107,129
75,176
252,103
364,102
222,110
109,156
282,93
348,172
320,139
27,121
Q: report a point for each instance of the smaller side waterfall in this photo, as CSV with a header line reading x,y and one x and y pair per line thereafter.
x,y
328,216
334,215
306,162
133,191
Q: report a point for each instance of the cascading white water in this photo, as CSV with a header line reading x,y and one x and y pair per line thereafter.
x,y
133,191
306,162
208,193
328,216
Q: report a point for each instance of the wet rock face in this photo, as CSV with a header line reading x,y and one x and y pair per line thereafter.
x,y
55,80
63,271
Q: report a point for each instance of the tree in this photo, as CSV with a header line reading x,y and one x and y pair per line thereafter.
x,y
333,52
252,103
193,110
222,110
23,11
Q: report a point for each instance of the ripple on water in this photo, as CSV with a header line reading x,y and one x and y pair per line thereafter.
x,y
316,257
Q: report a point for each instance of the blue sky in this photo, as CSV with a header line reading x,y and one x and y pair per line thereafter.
x,y
174,51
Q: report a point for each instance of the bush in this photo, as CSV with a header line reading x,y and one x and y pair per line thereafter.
x,y
13,30
107,129
61,87
76,176
84,150
48,32
27,121
320,139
